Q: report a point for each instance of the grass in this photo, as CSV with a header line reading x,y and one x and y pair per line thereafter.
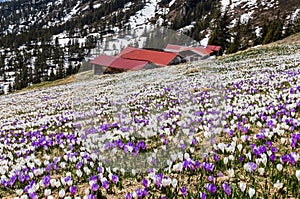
x,y
47,84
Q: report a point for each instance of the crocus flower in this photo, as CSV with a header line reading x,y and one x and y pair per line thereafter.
x,y
208,166
242,186
211,188
128,196
203,195
227,189
105,184
145,183
115,179
211,178
183,191
61,193
91,196
251,192
95,187
298,175
72,190
46,180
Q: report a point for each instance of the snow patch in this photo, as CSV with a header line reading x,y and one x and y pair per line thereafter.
x,y
172,2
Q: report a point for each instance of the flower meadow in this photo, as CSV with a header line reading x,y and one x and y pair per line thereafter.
x,y
224,129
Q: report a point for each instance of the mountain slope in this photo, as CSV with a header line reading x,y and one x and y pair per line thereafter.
x,y
48,39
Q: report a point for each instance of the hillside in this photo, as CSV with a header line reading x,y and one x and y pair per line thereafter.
x,y
225,128
45,40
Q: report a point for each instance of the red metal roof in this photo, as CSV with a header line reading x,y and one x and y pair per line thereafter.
x,y
126,50
103,60
128,64
156,57
118,62
173,48
199,50
213,48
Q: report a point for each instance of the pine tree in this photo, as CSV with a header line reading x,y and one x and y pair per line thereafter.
x,y
69,69
296,26
24,76
274,32
220,35
17,83
52,75
61,69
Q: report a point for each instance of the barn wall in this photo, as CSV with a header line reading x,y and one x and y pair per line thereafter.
x,y
98,70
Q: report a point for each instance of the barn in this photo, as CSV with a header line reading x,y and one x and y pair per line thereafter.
x,y
110,64
158,58
134,59
217,50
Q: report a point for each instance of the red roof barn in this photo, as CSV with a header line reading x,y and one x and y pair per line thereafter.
x,y
102,62
217,50
156,57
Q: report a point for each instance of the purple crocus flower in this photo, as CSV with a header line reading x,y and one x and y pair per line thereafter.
x,y
33,195
91,196
241,159
227,189
216,158
269,144
105,184
208,166
272,158
100,169
67,179
141,193
262,149
93,178
211,188
72,190
12,180
115,179
252,166
203,195
79,165
46,180
128,196
183,191
211,178
158,179
145,183
197,164
95,187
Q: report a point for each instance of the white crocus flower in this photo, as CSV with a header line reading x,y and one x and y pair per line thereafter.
x,y
166,182
61,193
47,192
240,147
251,192
231,173
19,192
133,171
278,185
174,182
298,175
261,171
242,186
225,160
53,182
279,167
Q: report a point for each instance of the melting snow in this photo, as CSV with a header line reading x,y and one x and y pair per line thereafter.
x,y
143,15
